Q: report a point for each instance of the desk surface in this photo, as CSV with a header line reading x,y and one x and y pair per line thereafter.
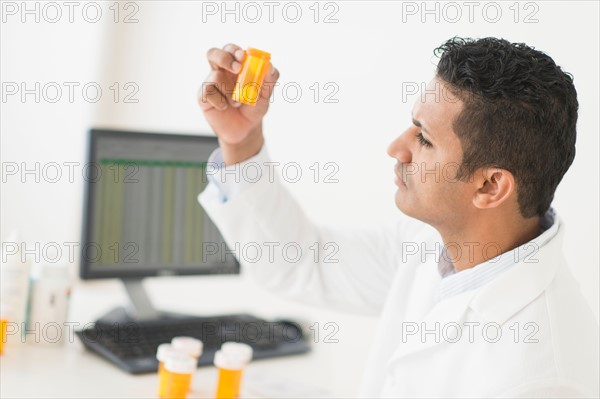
x,y
71,371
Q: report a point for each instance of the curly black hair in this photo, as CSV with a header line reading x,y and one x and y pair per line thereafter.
x,y
520,114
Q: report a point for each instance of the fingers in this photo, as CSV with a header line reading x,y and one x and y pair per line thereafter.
x,y
229,58
217,90
236,50
210,97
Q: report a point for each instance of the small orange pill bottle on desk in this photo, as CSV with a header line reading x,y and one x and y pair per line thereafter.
x,y
231,361
3,324
162,353
188,345
251,77
6,316
178,371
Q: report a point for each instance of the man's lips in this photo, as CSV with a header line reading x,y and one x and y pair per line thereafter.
x,y
400,182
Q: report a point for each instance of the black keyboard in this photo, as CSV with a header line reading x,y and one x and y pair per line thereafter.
x,y
132,346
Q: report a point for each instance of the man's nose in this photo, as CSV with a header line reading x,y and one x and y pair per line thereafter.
x,y
399,148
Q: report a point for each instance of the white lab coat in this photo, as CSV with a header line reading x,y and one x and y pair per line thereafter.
x,y
532,301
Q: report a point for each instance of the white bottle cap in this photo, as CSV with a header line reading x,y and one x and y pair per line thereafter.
x,y
180,364
229,362
235,349
189,345
165,350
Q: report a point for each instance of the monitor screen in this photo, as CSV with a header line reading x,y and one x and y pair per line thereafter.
x,y
141,213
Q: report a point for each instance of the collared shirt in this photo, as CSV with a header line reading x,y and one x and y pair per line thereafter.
x,y
229,184
454,283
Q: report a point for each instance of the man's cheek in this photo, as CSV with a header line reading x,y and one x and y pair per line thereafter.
x,y
430,173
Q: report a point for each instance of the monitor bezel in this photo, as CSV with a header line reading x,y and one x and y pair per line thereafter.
x,y
86,270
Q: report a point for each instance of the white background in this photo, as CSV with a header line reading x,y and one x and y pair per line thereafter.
x,y
370,54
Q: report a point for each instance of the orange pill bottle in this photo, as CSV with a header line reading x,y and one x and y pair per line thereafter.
x,y
178,371
231,361
251,77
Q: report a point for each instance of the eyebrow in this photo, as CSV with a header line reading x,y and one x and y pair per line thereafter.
x,y
418,124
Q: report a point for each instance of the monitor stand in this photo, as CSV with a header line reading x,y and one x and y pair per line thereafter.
x,y
140,307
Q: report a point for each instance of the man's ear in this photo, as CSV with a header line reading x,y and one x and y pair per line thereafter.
x,y
493,187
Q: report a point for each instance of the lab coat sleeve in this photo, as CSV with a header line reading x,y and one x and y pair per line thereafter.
x,y
300,259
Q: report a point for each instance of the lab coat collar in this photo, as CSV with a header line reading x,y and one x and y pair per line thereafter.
x,y
512,290
497,300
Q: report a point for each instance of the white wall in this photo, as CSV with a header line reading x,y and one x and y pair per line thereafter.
x,y
369,54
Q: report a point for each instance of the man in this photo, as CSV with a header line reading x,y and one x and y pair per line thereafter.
x,y
493,311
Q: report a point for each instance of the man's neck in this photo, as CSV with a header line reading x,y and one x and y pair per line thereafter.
x,y
486,238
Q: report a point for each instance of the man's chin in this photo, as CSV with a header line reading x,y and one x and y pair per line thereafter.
x,y
408,207
403,205
417,210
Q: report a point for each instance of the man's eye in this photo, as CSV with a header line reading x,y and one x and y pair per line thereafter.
x,y
422,140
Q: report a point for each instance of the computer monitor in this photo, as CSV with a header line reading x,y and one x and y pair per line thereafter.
x,y
142,217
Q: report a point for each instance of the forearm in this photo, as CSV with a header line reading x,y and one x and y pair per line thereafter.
x,y
298,258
